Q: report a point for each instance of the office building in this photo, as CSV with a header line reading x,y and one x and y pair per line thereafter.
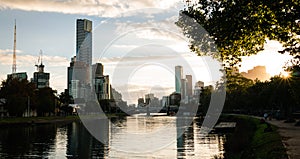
x,y
40,78
84,41
70,74
101,82
189,85
20,76
148,98
178,77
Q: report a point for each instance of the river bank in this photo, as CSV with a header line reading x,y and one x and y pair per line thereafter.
x,y
36,120
253,138
48,120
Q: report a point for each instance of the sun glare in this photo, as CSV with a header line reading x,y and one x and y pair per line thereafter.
x,y
285,74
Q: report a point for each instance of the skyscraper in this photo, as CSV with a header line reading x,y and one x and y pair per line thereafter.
x,y
178,77
189,85
84,41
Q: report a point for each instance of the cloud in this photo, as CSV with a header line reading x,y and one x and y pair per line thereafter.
x,y
159,30
30,60
6,51
101,8
55,65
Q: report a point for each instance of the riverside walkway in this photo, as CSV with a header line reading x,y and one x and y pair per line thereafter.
x,y
290,137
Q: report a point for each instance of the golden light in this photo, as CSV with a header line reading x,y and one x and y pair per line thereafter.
x,y
285,74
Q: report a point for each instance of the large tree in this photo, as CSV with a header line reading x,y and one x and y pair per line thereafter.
x,y
17,94
46,101
241,27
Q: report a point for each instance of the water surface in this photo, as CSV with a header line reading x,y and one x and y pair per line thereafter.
x,y
73,140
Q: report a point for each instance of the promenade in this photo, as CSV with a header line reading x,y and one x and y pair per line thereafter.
x,y
290,137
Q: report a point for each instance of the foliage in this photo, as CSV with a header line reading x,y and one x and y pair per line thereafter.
x,y
250,140
16,92
65,98
205,97
46,101
240,28
256,97
19,93
279,93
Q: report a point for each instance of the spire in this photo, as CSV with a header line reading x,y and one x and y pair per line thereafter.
x,y
14,66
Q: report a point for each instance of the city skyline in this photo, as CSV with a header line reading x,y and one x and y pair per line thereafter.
x,y
56,37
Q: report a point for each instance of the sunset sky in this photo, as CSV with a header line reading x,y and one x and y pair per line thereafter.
x,y
136,41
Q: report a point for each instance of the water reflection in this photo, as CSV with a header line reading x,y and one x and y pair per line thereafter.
x,y
74,141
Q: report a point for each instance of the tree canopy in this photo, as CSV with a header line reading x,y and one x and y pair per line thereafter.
x,y
240,28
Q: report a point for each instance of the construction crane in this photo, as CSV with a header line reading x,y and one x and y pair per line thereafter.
x,y
40,66
14,66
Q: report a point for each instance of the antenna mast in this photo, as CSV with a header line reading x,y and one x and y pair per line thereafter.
x,y
14,66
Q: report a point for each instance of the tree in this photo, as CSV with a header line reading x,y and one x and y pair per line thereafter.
x,y
17,93
236,91
240,28
46,101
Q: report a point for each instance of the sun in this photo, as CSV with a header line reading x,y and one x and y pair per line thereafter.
x,y
285,74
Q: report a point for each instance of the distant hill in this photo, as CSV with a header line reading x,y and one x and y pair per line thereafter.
x,y
258,72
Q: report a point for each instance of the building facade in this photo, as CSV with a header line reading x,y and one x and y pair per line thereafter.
x,y
40,78
84,41
178,77
101,83
189,85
20,75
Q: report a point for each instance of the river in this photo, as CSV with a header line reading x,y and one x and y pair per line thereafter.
x,y
73,140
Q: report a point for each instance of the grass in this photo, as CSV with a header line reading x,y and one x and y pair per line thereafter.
x,y
250,141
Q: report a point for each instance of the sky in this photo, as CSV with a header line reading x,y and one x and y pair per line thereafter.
x,y
136,40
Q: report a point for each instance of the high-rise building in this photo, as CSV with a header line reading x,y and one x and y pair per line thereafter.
x,y
189,85
183,89
84,41
178,77
165,102
40,78
70,74
101,82
198,88
148,98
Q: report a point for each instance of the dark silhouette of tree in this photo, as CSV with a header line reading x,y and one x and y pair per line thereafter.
x,y
17,92
64,100
236,91
205,97
46,101
240,28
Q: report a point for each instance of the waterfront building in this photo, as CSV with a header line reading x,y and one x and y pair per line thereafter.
x,y
175,99
189,85
165,102
70,75
141,102
183,90
148,98
101,82
40,78
198,88
84,41
178,77
19,75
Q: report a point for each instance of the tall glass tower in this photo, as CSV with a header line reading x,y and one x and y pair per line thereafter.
x,y
178,77
84,41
